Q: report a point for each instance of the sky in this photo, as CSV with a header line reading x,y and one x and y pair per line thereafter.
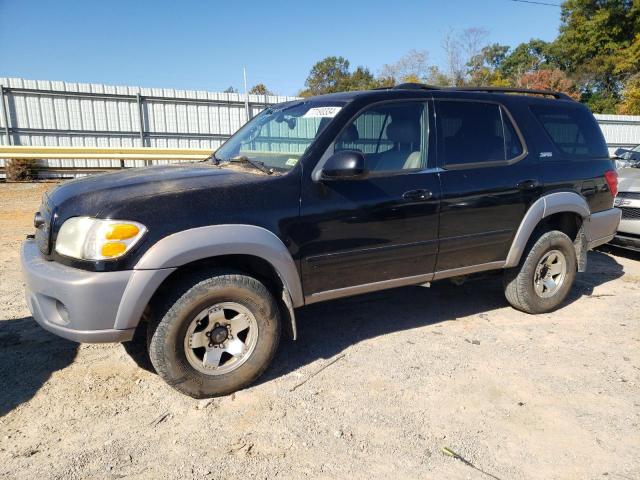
x,y
203,45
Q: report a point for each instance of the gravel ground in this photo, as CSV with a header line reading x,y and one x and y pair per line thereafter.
x,y
414,370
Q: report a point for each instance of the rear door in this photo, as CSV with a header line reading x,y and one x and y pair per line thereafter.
x,y
488,182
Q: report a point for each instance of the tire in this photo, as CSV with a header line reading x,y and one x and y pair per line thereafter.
x,y
185,338
543,259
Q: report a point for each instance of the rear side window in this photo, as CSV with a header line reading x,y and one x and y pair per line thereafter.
x,y
574,131
475,132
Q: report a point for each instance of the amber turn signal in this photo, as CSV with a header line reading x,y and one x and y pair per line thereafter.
x,y
113,249
122,231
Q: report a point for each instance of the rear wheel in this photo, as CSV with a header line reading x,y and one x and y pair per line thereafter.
x,y
545,276
217,335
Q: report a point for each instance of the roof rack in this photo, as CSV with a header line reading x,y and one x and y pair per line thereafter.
x,y
526,91
415,86
546,93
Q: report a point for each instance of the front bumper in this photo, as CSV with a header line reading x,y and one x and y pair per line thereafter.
x,y
75,304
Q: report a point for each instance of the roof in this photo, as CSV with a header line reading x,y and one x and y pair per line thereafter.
x,y
418,89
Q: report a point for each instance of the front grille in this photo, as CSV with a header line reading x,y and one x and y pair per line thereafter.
x,y
630,213
631,195
43,234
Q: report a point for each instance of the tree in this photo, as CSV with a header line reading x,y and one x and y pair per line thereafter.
x,y
600,101
627,61
459,50
483,68
437,77
230,89
630,104
260,89
327,76
360,79
526,57
593,36
333,75
453,59
413,66
549,79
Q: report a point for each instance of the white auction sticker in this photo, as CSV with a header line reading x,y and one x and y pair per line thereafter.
x,y
322,112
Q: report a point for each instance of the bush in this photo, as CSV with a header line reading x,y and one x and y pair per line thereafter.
x,y
20,170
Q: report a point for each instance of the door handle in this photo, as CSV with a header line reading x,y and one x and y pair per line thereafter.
x,y
420,194
527,184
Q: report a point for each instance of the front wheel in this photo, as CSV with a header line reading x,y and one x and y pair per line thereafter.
x,y
217,336
543,280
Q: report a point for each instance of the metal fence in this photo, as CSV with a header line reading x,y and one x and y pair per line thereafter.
x,y
49,113
620,130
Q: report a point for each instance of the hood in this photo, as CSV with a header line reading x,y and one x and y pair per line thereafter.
x,y
629,180
90,195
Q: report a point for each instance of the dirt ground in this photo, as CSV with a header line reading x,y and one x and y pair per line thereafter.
x,y
415,370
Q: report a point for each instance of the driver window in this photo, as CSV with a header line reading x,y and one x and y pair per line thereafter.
x,y
391,136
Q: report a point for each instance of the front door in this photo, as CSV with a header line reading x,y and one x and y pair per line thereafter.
x,y
357,235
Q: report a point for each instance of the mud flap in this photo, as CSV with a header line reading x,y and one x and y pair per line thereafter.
x,y
290,326
581,246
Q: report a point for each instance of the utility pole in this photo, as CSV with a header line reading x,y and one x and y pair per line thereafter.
x,y
246,94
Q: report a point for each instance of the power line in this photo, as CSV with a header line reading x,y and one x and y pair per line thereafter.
x,y
538,3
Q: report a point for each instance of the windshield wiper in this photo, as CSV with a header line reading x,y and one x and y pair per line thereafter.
x,y
244,160
213,157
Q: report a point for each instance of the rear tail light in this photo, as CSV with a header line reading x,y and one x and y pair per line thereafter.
x,y
611,176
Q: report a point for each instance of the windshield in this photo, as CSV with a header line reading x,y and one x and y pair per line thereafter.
x,y
280,134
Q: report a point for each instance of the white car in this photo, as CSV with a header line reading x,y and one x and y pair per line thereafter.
x,y
628,198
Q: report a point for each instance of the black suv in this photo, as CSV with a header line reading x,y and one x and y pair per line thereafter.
x,y
318,199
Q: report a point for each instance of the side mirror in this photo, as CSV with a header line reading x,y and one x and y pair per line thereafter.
x,y
345,165
619,153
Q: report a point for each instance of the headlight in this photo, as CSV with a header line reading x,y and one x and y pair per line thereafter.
x,y
89,238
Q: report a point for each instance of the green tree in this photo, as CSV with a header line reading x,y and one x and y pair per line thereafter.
x,y
483,68
329,75
628,59
526,57
332,75
260,89
600,101
360,79
593,36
